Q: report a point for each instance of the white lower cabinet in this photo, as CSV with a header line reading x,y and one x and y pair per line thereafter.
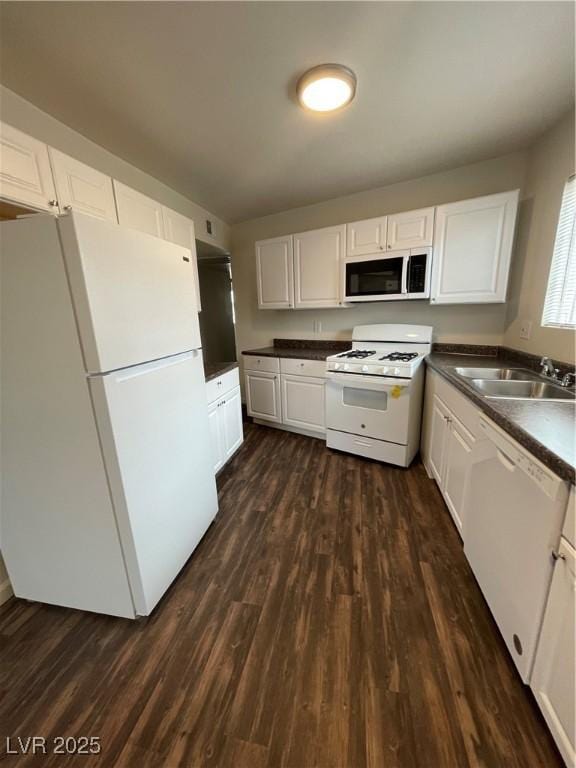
x,y
303,402
459,444
225,417
263,395
448,439
288,393
216,435
232,422
438,434
554,673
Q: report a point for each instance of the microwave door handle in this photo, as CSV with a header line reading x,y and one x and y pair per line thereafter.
x,y
405,274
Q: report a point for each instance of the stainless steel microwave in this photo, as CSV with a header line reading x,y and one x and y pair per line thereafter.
x,y
388,277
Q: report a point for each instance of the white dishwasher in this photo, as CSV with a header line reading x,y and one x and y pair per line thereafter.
x,y
513,521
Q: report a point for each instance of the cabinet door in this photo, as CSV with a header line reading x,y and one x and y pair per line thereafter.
x,y
303,402
472,249
553,675
459,444
413,229
275,273
138,211
25,173
263,395
81,188
216,434
231,414
317,267
180,230
364,237
437,447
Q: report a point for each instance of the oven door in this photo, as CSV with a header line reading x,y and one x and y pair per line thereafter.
x,y
376,278
374,406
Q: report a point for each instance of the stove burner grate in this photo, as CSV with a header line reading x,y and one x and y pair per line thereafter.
x,y
358,354
400,357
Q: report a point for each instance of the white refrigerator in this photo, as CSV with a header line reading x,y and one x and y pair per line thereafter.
x,y
107,480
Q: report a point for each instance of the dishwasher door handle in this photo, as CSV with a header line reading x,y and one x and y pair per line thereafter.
x,y
505,460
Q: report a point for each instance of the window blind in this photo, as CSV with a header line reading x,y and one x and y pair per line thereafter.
x,y
560,304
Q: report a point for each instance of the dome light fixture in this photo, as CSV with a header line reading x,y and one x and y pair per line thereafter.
x,y
326,87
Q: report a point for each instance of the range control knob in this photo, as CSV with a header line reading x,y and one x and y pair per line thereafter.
x,y
346,367
397,371
335,366
364,367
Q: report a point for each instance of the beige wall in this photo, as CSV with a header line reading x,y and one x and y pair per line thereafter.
x,y
23,115
550,163
469,323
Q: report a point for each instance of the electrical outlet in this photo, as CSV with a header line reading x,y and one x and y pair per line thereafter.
x,y
526,329
317,326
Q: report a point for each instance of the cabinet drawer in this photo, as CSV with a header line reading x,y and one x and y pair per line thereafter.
x,y
303,367
254,363
219,386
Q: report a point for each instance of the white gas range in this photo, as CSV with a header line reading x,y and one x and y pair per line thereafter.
x,y
374,392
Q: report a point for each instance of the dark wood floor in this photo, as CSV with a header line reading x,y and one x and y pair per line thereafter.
x,y
329,619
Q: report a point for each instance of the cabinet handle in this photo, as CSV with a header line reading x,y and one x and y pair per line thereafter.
x,y
53,203
558,555
67,207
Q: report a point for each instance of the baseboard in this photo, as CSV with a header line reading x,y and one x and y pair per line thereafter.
x,y
6,591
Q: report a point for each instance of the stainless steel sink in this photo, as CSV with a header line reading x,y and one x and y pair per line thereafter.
x,y
499,374
522,390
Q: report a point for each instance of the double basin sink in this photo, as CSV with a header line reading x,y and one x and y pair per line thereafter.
x,y
513,384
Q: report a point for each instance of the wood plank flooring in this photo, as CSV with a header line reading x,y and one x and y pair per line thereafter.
x,y
328,619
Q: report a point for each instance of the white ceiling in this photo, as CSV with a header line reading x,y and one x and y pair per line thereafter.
x,y
200,95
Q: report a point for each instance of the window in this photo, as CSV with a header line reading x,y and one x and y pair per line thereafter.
x,y
560,304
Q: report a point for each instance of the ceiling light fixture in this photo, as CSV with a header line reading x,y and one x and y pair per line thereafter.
x,y
326,87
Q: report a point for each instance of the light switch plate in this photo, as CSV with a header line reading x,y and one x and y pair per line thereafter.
x,y
526,329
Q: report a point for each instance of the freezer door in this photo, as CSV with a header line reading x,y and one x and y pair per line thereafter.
x,y
133,293
153,423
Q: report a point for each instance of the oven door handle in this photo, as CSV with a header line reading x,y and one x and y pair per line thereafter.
x,y
375,383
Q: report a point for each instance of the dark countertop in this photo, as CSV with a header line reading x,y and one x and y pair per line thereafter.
x,y
302,349
213,370
302,353
546,429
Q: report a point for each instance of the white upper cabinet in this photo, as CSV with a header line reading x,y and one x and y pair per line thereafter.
x,y
25,173
472,249
81,188
180,230
413,229
318,257
364,237
275,273
137,211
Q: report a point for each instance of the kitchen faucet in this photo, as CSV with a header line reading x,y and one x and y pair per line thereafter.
x,y
548,368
